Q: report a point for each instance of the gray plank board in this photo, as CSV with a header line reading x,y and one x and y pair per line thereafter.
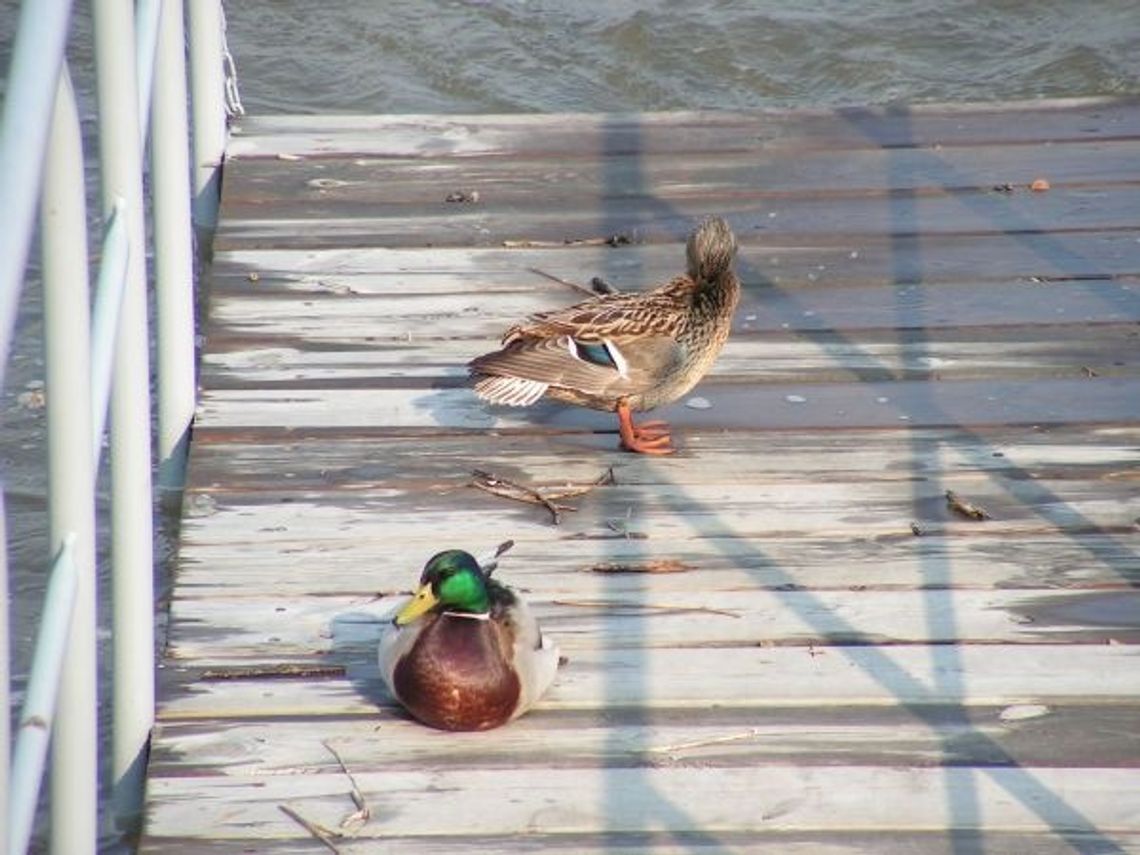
x,y
709,132
725,406
774,638
1066,734
341,185
792,261
384,317
1059,212
836,676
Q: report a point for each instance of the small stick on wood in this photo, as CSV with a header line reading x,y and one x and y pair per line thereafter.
x,y
606,479
701,743
619,239
507,489
561,281
360,817
314,828
547,497
966,509
650,607
285,671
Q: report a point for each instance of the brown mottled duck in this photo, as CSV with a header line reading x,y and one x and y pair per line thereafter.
x,y
624,352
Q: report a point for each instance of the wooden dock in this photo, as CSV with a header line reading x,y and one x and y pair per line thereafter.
x,y
780,640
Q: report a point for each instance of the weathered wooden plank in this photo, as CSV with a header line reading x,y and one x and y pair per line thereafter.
x,y
944,354
693,799
882,842
723,406
1065,735
898,561
669,511
708,132
244,629
359,463
359,320
341,186
700,679
643,219
795,260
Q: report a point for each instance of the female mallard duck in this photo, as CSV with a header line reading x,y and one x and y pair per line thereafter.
x,y
624,352
465,653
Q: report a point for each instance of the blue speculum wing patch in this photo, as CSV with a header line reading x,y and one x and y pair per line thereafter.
x,y
596,352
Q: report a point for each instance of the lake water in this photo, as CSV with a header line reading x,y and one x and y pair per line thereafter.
x,y
480,56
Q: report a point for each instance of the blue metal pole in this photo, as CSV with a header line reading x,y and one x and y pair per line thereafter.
x,y
71,476
131,499
36,56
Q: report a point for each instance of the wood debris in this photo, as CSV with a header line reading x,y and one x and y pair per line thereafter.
x,y
548,497
326,835
356,820
960,506
619,239
580,288
283,671
661,565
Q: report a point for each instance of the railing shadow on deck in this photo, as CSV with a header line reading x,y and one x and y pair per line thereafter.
x,y
926,703
1066,821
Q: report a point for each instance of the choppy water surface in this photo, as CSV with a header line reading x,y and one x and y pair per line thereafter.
x,y
478,56
515,55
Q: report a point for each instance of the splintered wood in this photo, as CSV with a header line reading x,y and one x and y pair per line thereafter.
x,y
895,562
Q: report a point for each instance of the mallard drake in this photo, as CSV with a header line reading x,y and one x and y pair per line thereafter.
x,y
465,653
624,352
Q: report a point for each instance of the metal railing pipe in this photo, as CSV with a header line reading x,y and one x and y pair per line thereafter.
x,y
5,670
208,88
148,14
71,477
108,304
40,702
173,252
24,122
132,585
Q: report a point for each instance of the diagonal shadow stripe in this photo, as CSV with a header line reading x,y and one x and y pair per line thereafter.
x,y
1065,820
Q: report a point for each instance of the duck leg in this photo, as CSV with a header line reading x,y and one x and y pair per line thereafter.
x,y
649,438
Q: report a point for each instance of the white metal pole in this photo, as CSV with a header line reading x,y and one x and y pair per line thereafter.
x,y
173,253
132,634
71,487
42,698
208,87
36,55
5,674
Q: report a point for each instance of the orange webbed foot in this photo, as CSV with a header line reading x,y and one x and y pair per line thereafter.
x,y
648,438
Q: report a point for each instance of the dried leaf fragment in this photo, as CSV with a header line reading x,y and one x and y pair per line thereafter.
x,y
967,509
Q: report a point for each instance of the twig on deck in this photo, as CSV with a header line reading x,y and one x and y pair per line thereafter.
x,y
356,820
966,509
508,489
702,743
325,835
284,671
619,239
648,607
561,281
546,496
